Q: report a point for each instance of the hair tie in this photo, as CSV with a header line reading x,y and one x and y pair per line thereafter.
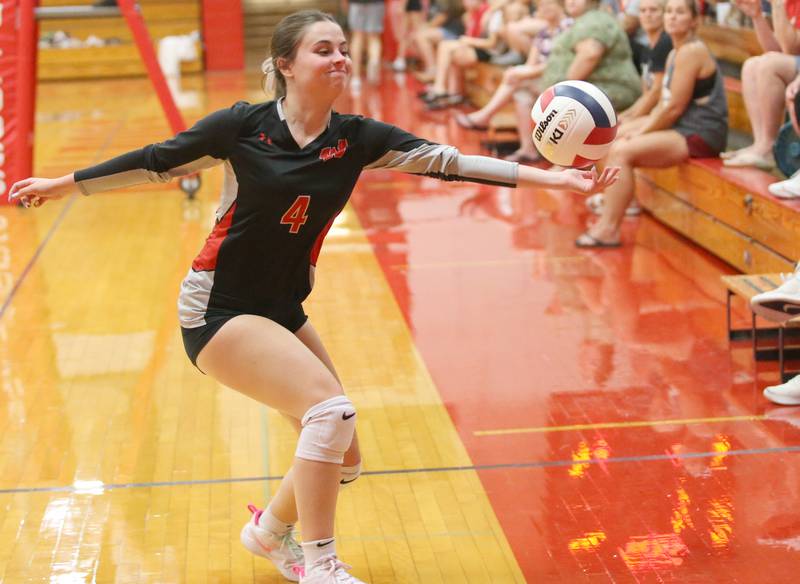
x,y
268,69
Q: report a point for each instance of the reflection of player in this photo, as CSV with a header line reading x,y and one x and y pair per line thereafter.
x,y
290,165
512,207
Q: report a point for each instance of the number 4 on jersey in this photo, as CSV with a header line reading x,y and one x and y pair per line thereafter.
x,y
296,216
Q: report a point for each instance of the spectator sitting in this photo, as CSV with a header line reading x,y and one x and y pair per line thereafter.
x,y
452,57
365,20
659,45
790,188
446,23
631,24
594,49
690,121
765,77
522,79
405,30
654,58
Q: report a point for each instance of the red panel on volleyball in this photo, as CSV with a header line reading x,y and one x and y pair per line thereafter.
x,y
223,35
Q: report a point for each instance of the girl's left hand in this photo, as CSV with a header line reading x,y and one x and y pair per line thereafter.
x,y
590,181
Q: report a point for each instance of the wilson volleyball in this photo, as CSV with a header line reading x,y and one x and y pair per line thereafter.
x,y
574,124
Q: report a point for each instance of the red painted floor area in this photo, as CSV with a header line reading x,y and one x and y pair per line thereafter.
x,y
624,439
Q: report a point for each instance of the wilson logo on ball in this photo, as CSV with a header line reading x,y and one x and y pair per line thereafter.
x,y
575,124
544,123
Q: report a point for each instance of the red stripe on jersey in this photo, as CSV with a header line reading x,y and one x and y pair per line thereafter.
x,y
601,136
318,243
206,260
546,98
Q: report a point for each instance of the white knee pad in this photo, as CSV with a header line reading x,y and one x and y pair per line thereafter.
x,y
349,475
327,430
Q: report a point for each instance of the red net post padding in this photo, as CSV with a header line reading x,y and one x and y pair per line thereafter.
x,y
17,91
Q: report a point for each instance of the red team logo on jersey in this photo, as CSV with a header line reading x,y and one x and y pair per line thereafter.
x,y
330,152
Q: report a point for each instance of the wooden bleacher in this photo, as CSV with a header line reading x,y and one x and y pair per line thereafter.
x,y
727,211
734,45
163,18
745,287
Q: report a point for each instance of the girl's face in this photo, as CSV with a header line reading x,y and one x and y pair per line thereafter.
x,y
651,15
678,18
550,10
575,8
322,62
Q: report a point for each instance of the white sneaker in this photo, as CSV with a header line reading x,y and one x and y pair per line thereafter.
x,y
329,570
782,303
786,394
281,550
399,64
786,189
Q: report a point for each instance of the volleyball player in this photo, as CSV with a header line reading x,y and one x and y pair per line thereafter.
x,y
290,166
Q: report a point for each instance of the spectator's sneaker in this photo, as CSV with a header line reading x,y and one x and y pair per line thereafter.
x,y
329,570
786,394
782,303
786,189
281,550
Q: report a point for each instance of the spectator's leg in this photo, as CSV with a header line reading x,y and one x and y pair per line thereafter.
x,y
519,34
654,149
402,29
427,39
463,57
523,102
444,57
374,48
357,52
750,97
501,97
777,71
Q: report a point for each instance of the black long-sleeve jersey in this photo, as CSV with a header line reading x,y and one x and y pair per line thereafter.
x,y
278,200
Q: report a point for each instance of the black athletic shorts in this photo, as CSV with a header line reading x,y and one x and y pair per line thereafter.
x,y
291,317
413,6
483,55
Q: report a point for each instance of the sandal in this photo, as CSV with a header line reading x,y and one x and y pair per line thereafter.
x,y
445,101
585,240
430,96
466,122
523,157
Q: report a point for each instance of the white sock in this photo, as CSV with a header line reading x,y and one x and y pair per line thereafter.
x,y
271,523
314,550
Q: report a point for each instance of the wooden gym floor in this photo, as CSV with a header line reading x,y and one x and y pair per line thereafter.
x,y
528,412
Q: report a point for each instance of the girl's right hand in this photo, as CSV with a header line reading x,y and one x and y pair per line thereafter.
x,y
36,191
